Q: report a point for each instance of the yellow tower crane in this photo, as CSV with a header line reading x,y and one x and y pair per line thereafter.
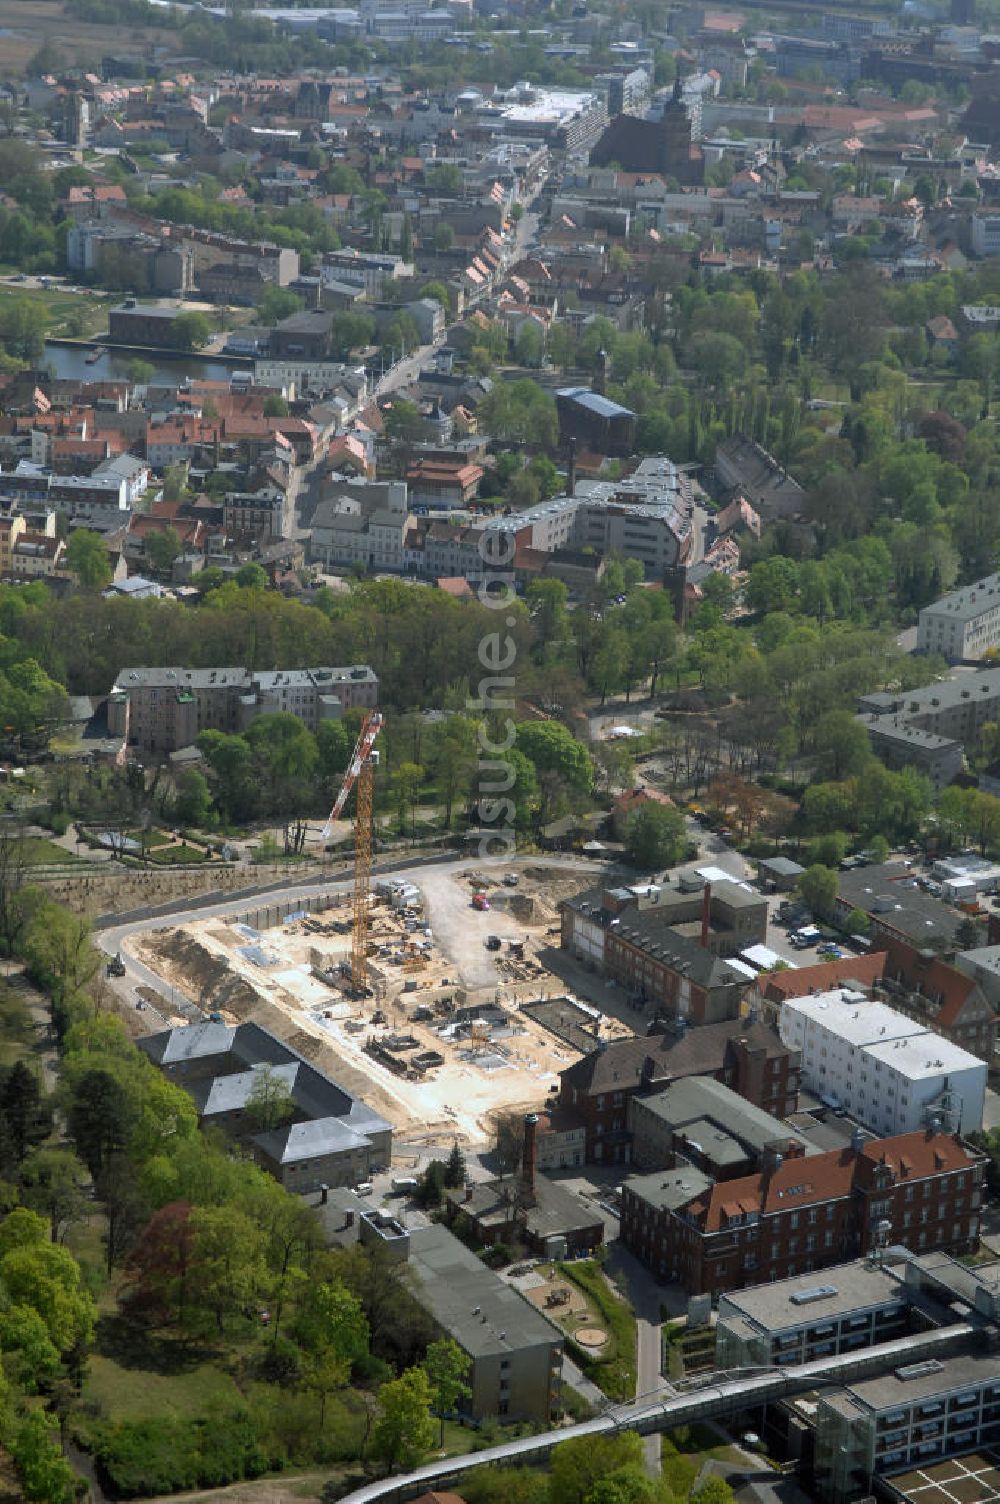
x,y
360,771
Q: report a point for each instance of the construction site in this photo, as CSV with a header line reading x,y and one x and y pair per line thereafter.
x,y
442,1034
416,997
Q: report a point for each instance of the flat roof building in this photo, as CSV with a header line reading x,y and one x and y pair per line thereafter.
x,y
515,1353
887,1070
918,1413
811,1316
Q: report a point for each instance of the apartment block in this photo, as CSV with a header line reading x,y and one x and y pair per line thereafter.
x,y
888,1071
515,1353
163,709
964,624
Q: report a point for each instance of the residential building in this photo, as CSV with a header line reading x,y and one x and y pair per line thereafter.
x,y
333,1138
254,516
984,232
801,1214
514,1352
964,624
36,556
888,1071
857,1305
910,1417
900,744
749,1058
956,996
439,482
164,709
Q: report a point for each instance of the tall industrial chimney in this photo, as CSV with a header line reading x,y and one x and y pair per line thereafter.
x,y
529,1161
706,911
571,467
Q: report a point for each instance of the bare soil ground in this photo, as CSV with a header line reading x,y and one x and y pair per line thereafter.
x,y
277,978
26,24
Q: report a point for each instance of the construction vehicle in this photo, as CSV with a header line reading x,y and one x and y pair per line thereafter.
x,y
492,942
360,771
116,966
480,902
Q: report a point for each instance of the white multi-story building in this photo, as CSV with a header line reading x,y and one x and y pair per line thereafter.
x,y
886,1070
963,624
984,230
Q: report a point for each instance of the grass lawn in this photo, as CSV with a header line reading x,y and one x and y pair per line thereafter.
x,y
39,851
153,838
169,856
135,1393
615,1370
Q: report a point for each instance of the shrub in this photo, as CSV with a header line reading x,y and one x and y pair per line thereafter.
x,y
168,1454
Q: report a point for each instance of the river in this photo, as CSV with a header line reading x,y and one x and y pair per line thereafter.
x,y
69,362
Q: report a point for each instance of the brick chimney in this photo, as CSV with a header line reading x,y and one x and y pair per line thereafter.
x,y
529,1160
706,914
571,466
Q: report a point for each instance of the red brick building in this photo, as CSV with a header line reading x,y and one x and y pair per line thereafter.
x,y
748,1057
803,1213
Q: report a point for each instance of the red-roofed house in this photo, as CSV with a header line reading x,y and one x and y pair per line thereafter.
x,y
942,997
803,1212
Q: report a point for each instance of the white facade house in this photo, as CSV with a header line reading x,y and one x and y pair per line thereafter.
x,y
884,1069
963,624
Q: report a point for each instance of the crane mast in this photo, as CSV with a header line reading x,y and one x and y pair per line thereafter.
x,y
360,772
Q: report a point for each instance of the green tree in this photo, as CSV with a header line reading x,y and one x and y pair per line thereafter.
x,y
454,1170
842,746
45,1473
24,1117
333,1330
577,1466
277,303
162,548
270,1102
404,1432
52,1183
101,1117
46,1277
190,331
275,406
227,1264
193,800
655,836
251,577
87,558
712,1491
447,1367
444,236
818,886
553,749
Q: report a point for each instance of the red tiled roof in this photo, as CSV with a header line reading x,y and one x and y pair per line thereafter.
x,y
803,980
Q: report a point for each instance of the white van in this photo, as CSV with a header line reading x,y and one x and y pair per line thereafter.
x,y
366,1188
404,1185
